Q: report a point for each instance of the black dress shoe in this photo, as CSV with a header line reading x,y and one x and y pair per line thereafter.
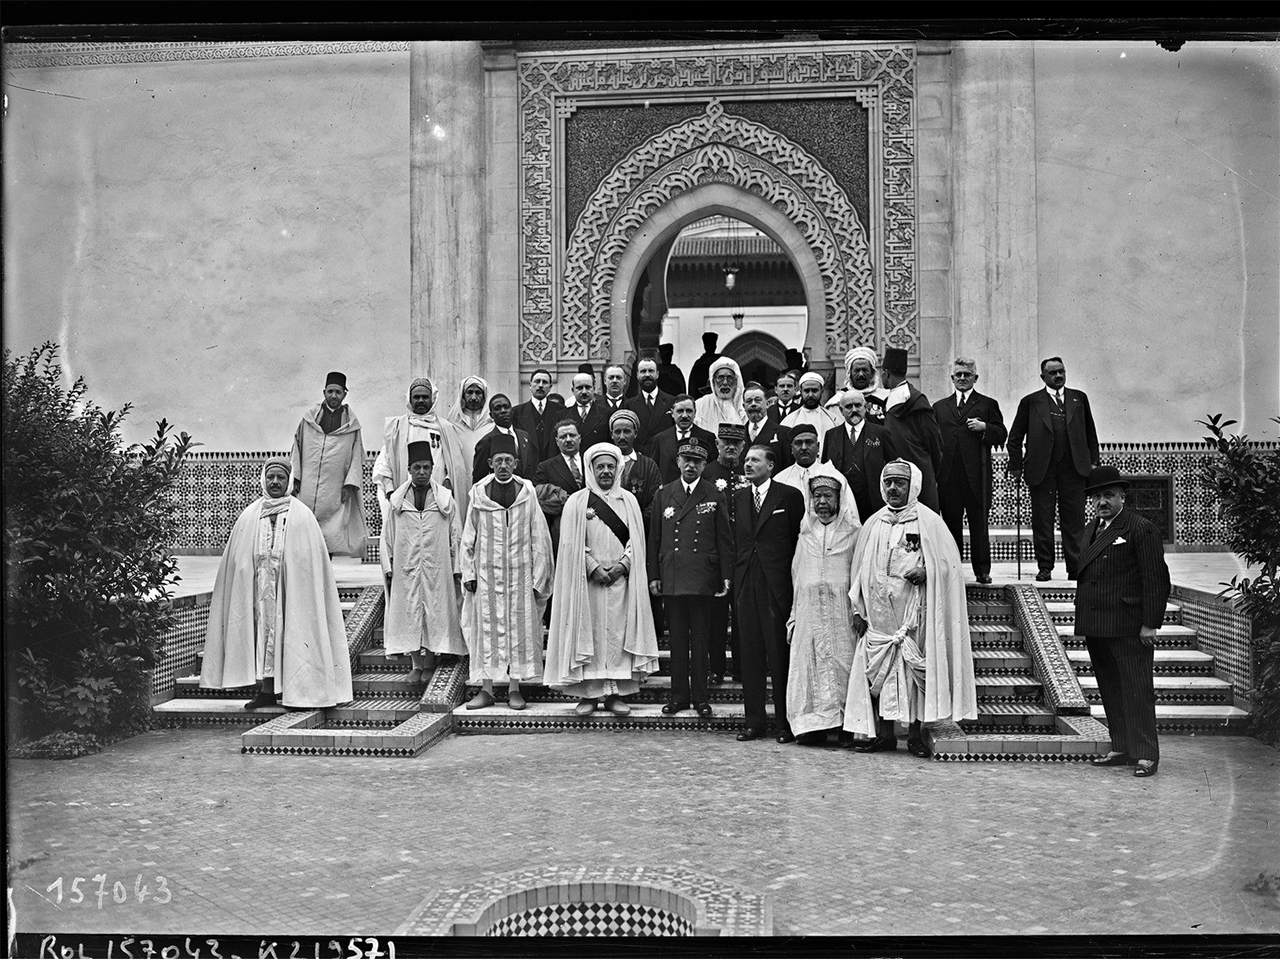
x,y
1112,760
984,579
917,748
750,733
1044,575
786,736
875,745
704,710
844,739
1146,768
814,738
674,706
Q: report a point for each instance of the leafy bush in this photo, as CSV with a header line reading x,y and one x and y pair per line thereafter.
x,y
1247,482
87,570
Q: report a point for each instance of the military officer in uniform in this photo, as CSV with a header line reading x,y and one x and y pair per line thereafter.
x,y
690,560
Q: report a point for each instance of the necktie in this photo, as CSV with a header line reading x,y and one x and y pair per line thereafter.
x,y
1057,398
537,404
756,496
576,470
961,398
649,398
582,413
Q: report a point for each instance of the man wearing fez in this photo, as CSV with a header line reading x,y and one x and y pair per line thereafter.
x,y
726,475
811,410
859,449
665,445
820,631
805,465
1062,447
651,405
328,463
690,558
860,374
507,572
602,641
588,412
391,469
912,426
764,426
700,375
274,617
639,475
786,398
1120,601
501,412
420,561
970,424
913,662
670,379
559,476
538,417
767,525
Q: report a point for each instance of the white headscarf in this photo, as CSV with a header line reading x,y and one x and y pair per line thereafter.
x,y
603,450
846,513
462,418
862,353
711,411
907,512
272,505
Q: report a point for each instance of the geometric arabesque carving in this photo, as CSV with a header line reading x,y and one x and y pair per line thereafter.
x,y
551,87
717,147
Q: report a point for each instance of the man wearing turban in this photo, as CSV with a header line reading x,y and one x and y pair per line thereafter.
x,y
391,469
811,410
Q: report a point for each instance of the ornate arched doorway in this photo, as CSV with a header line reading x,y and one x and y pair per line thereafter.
x,y
759,356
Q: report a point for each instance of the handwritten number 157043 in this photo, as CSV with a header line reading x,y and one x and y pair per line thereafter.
x,y
105,893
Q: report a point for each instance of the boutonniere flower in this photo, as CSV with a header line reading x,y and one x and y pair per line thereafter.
x,y
873,441
591,514
721,483
912,542
669,512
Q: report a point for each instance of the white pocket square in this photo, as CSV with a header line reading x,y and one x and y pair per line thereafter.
x,y
781,510
1119,540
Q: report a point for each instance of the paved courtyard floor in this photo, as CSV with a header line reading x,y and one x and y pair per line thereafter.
x,y
849,845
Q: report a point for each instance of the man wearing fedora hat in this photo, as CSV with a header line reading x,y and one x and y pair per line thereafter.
x,y
1121,590
912,425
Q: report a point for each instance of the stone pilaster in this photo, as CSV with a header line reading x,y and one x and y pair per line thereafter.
x,y
448,232
993,186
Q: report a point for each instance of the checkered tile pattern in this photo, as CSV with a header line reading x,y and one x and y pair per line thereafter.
x,y
181,643
1222,631
591,920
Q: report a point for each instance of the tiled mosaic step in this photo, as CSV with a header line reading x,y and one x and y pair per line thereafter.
x,y
1173,690
655,689
1021,688
991,660
1010,714
1193,717
1175,662
309,732
189,687
1064,739
1171,636
373,712
994,635
982,612
552,716
383,682
1065,612
210,712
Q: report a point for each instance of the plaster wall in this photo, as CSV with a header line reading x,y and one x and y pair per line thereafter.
x,y
1158,221
206,239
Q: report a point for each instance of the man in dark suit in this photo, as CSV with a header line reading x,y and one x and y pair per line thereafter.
x,y
665,444
615,389
526,462
690,560
786,398
651,405
559,476
725,474
971,424
588,412
912,426
1062,447
1120,600
765,534
859,449
538,416
764,425
700,375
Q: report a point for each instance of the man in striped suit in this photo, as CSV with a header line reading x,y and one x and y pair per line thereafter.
x,y
1122,587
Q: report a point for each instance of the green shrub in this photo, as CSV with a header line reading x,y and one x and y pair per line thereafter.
x,y
87,567
57,746
1247,482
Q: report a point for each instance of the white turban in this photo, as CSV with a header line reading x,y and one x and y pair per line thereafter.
x,y
812,377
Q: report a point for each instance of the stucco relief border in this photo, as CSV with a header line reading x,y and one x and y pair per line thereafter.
x,y
550,88
43,54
